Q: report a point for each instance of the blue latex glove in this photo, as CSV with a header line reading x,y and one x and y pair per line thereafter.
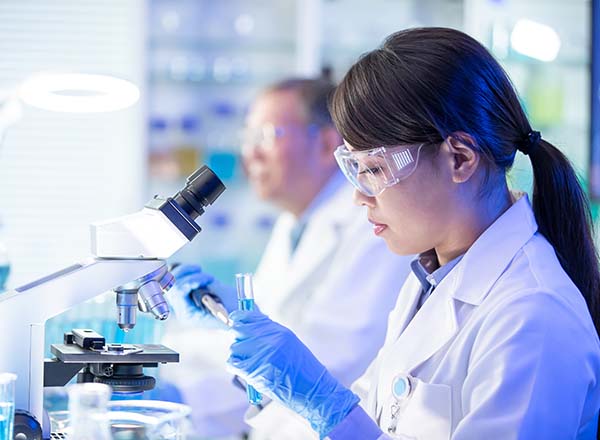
x,y
190,277
273,360
165,391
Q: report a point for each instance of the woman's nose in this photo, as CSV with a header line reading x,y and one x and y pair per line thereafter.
x,y
362,200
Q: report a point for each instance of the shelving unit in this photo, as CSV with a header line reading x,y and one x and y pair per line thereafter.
x,y
207,60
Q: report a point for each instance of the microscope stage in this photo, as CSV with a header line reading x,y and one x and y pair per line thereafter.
x,y
150,353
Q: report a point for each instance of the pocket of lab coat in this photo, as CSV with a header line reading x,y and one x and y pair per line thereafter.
x,y
426,413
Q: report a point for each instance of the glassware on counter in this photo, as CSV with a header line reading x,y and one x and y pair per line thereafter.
x,y
7,405
149,420
88,411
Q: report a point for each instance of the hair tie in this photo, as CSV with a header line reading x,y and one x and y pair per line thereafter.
x,y
530,143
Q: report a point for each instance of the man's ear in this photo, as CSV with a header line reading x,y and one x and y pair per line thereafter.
x,y
462,158
330,140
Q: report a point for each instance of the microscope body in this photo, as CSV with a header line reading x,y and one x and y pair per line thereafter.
x,y
127,257
26,310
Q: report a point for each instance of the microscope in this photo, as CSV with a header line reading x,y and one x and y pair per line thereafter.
x,y
128,257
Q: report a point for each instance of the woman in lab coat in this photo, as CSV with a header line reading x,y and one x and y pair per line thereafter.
x,y
494,335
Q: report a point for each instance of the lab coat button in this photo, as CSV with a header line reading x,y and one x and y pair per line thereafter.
x,y
401,387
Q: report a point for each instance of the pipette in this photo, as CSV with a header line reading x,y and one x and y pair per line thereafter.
x,y
203,298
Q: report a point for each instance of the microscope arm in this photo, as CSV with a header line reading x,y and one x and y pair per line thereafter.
x,y
128,258
26,310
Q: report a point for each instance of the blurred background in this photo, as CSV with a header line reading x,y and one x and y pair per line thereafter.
x,y
198,64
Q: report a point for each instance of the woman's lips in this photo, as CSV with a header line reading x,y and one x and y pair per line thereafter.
x,y
378,228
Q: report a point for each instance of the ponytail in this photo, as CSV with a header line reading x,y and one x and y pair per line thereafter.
x,y
455,85
562,212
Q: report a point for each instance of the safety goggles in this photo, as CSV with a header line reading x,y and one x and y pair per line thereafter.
x,y
372,171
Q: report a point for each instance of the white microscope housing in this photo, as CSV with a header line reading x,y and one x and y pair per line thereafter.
x,y
127,257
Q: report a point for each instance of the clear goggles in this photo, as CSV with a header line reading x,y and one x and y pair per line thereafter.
x,y
372,171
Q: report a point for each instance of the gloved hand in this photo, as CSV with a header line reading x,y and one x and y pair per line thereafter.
x,y
273,360
165,390
190,277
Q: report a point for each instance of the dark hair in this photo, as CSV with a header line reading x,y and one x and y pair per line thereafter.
x,y
314,94
427,84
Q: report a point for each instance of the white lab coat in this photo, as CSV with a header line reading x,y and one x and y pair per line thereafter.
x,y
503,349
335,293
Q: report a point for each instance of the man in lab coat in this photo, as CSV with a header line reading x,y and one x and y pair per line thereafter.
x,y
324,273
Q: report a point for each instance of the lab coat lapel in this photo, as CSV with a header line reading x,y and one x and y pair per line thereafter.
x,y
274,268
469,282
419,335
405,308
289,274
320,239
428,331
493,251
398,320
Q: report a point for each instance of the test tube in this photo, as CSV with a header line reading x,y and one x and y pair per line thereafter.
x,y
245,293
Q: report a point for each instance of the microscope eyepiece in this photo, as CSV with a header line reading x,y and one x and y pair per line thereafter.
x,y
202,188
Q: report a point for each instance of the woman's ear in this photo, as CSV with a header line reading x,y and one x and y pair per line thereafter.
x,y
463,159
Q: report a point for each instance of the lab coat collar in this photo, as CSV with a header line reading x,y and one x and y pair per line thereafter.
x,y
327,204
324,229
333,204
428,271
332,186
492,252
469,282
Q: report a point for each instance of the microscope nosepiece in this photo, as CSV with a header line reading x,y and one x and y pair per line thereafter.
x,y
152,295
126,309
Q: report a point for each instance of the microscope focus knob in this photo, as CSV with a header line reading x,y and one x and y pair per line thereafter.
x,y
26,426
128,385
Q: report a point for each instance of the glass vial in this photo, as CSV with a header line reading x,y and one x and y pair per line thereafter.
x,y
245,293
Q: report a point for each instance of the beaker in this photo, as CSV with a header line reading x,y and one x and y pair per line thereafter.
x,y
7,405
148,420
88,411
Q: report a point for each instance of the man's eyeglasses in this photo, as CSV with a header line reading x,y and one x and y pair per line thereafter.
x,y
264,136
